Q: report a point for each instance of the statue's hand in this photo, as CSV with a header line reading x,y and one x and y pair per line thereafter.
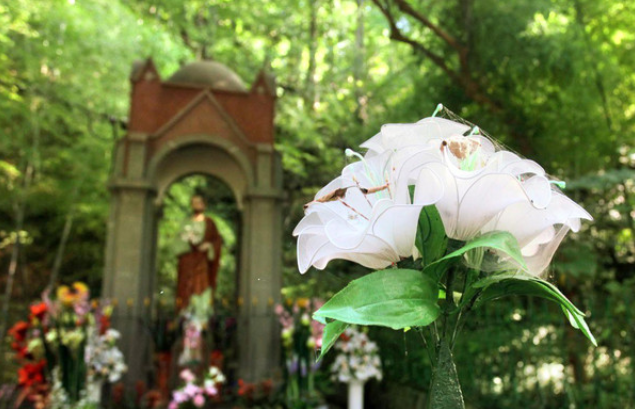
x,y
204,247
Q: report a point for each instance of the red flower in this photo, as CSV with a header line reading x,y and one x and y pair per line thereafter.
x,y
31,374
246,389
21,351
104,324
39,310
217,358
117,393
19,331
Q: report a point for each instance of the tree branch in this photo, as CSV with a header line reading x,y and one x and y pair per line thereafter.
x,y
397,35
452,42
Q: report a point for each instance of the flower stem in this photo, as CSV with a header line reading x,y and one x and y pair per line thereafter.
x,y
445,389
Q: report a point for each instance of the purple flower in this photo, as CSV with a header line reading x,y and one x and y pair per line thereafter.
x,y
292,366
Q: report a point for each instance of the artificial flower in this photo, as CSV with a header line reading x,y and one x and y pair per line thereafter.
x,y
357,217
31,373
194,391
485,189
540,232
38,310
369,214
199,401
74,294
358,357
19,331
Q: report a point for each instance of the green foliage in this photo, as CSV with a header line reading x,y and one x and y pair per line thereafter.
x,y
502,285
332,332
391,298
497,240
431,241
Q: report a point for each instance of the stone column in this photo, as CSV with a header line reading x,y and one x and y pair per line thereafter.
x,y
259,288
261,276
129,276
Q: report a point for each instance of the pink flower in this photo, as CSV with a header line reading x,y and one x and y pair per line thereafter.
x,y
179,397
173,405
211,390
191,390
279,309
199,401
187,375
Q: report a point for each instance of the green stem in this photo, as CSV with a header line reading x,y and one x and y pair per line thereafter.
x,y
449,300
458,324
429,346
445,389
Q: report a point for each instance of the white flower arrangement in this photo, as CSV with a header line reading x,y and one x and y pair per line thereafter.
x,y
104,360
368,214
358,358
463,221
193,232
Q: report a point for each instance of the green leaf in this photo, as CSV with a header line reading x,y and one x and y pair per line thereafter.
x,y
501,285
319,319
390,298
498,240
332,332
430,241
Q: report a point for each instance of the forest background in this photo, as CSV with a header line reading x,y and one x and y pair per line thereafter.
x,y
552,79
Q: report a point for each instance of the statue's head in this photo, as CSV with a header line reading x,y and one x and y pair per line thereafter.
x,y
198,204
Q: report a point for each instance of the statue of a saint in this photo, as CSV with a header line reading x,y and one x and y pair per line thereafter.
x,y
200,254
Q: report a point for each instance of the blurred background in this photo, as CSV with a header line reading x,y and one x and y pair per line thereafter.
x,y
552,79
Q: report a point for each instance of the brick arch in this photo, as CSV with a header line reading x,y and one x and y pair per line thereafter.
x,y
204,154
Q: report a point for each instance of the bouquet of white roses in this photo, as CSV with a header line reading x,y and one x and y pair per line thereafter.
x,y
451,221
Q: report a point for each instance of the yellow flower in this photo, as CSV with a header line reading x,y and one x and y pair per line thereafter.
x,y
69,296
303,302
64,295
81,289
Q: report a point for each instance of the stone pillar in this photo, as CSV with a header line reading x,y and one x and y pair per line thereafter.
x,y
261,276
129,275
259,288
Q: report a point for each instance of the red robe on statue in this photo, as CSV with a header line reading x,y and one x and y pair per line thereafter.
x,y
196,272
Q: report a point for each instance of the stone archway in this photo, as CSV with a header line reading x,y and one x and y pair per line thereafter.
x,y
210,125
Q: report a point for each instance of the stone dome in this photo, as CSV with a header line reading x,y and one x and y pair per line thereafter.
x,y
210,74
